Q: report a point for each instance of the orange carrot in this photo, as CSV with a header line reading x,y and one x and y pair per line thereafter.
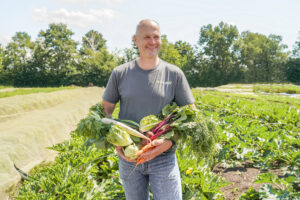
x,y
145,149
139,161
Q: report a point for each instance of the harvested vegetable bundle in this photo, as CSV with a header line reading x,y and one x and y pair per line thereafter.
x,y
186,125
104,132
183,124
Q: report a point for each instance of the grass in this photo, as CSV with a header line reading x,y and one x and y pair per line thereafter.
x,y
24,91
272,98
5,86
277,88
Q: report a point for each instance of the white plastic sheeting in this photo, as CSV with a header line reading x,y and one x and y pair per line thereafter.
x,y
29,123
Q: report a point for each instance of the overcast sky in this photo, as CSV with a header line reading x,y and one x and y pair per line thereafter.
x,y
179,20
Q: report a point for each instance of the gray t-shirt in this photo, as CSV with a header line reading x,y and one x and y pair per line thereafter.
x,y
145,92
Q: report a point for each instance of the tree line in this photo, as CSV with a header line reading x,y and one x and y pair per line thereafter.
x,y
221,56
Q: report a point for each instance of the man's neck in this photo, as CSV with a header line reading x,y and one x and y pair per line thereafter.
x,y
147,64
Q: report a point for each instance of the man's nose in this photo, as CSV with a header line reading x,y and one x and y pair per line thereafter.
x,y
152,40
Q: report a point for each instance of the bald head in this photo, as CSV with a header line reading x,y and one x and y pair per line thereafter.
x,y
146,23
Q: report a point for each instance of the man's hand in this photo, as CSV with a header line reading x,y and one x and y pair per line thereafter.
x,y
120,152
161,145
148,134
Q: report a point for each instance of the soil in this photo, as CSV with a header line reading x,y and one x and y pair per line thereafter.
x,y
241,178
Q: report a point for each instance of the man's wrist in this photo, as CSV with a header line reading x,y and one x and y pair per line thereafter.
x,y
173,142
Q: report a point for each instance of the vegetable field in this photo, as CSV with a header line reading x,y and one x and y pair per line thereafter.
x,y
257,156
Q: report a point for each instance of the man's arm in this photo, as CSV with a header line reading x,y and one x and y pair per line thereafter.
x,y
108,108
193,105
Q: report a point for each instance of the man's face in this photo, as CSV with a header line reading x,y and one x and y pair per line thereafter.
x,y
148,41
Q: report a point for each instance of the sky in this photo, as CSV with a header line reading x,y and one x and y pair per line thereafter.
x,y
182,20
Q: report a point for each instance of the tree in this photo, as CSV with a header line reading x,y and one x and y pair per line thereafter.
x,y
128,54
169,53
293,64
296,51
95,62
188,61
263,57
94,41
293,70
217,54
17,55
2,77
56,53
1,57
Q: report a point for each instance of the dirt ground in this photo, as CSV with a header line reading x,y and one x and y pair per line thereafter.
x,y
240,177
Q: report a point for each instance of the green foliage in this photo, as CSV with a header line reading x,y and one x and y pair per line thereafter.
x,y
251,194
189,64
93,41
16,57
293,70
95,63
79,172
222,56
103,135
296,51
276,88
92,128
53,60
128,55
264,132
217,56
263,57
196,130
57,49
198,182
277,188
169,53
185,125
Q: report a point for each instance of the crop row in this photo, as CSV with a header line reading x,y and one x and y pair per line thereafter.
x,y
263,132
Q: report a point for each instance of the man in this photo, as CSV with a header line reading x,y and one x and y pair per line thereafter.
x,y
144,86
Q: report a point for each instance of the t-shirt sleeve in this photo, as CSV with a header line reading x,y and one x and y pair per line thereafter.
x,y
111,93
183,93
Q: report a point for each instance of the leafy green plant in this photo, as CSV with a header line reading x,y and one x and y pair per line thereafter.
x,y
251,194
281,188
198,182
79,172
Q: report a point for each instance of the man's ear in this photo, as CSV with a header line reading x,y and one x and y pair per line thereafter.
x,y
134,39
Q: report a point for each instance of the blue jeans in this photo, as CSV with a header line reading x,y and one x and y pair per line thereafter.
x,y
162,172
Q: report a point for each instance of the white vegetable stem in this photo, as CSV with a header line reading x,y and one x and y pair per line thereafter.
x,y
128,129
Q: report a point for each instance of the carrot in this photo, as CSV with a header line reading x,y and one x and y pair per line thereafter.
x,y
139,161
146,148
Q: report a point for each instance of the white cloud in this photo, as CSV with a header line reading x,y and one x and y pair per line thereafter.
x,y
73,18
